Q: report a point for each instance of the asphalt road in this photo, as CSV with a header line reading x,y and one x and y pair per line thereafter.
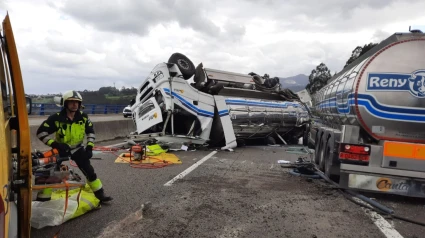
x,y
244,193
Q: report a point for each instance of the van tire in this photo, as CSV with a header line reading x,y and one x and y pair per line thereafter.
x,y
186,66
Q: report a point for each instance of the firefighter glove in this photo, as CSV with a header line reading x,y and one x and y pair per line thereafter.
x,y
89,151
62,148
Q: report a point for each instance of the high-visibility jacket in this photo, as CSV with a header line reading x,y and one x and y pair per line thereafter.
x,y
67,131
155,149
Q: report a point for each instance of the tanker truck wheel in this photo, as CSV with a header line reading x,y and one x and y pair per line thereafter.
x,y
322,150
270,140
331,164
186,67
317,147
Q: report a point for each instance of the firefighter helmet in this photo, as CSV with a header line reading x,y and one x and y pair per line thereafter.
x,y
71,96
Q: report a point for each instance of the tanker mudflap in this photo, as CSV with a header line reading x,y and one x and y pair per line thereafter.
x,y
386,184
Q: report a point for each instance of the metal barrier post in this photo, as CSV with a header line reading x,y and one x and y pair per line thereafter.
x,y
42,109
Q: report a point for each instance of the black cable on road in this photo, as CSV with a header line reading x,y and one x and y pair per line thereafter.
x,y
374,205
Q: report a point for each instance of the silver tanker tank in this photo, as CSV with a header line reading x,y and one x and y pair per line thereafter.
x,y
252,118
384,92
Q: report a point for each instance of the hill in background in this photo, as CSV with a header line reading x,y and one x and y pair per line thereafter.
x,y
105,95
295,83
114,96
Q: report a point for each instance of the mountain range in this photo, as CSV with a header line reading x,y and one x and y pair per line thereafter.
x,y
295,83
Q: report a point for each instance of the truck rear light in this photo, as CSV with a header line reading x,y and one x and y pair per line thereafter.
x,y
355,149
354,153
353,157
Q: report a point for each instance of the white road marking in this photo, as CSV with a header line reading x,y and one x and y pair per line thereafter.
x,y
384,226
190,169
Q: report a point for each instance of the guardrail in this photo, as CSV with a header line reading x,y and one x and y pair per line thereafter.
x,y
50,108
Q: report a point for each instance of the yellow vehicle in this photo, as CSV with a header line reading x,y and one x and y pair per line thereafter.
x,y
15,146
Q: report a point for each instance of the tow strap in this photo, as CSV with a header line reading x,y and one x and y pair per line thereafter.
x,y
66,206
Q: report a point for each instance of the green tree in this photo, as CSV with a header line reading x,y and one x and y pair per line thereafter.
x,y
359,51
318,78
109,90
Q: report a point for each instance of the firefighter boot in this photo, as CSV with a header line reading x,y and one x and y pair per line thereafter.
x,y
100,194
97,188
44,195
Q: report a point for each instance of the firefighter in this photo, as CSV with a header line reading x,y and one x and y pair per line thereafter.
x,y
69,142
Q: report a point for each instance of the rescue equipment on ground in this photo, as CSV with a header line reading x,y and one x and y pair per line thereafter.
x,y
49,172
148,156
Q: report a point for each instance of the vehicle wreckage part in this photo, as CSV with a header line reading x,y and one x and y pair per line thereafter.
x,y
226,123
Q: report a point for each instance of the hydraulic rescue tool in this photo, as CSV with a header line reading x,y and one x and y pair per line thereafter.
x,y
48,168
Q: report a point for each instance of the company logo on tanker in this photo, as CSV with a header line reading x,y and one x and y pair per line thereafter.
x,y
413,82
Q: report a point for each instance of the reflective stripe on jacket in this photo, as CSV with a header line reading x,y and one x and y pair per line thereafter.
x,y
67,131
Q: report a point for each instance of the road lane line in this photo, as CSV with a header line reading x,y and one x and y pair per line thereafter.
x,y
384,226
190,169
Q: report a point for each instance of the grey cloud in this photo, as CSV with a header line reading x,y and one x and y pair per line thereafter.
x,y
65,64
380,35
139,17
65,46
234,31
327,15
136,17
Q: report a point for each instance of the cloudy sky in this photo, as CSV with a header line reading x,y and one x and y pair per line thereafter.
x,y
87,44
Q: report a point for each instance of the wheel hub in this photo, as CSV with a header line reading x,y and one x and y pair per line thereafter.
x,y
183,63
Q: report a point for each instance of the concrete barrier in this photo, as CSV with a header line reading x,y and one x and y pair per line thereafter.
x,y
105,130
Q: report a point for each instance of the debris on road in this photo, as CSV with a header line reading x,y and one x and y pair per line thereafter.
x,y
283,162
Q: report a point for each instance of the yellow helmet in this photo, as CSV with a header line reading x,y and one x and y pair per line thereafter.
x,y
71,95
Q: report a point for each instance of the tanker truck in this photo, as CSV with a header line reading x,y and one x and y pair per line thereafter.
x,y
180,103
368,128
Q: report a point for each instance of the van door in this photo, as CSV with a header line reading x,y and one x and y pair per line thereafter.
x,y
14,121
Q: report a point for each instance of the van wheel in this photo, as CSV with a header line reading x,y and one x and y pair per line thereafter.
x,y
186,67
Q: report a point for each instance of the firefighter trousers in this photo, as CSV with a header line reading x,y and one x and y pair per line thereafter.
x,y
83,162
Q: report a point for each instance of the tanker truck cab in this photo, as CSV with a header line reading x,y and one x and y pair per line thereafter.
x,y
178,102
370,130
15,146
